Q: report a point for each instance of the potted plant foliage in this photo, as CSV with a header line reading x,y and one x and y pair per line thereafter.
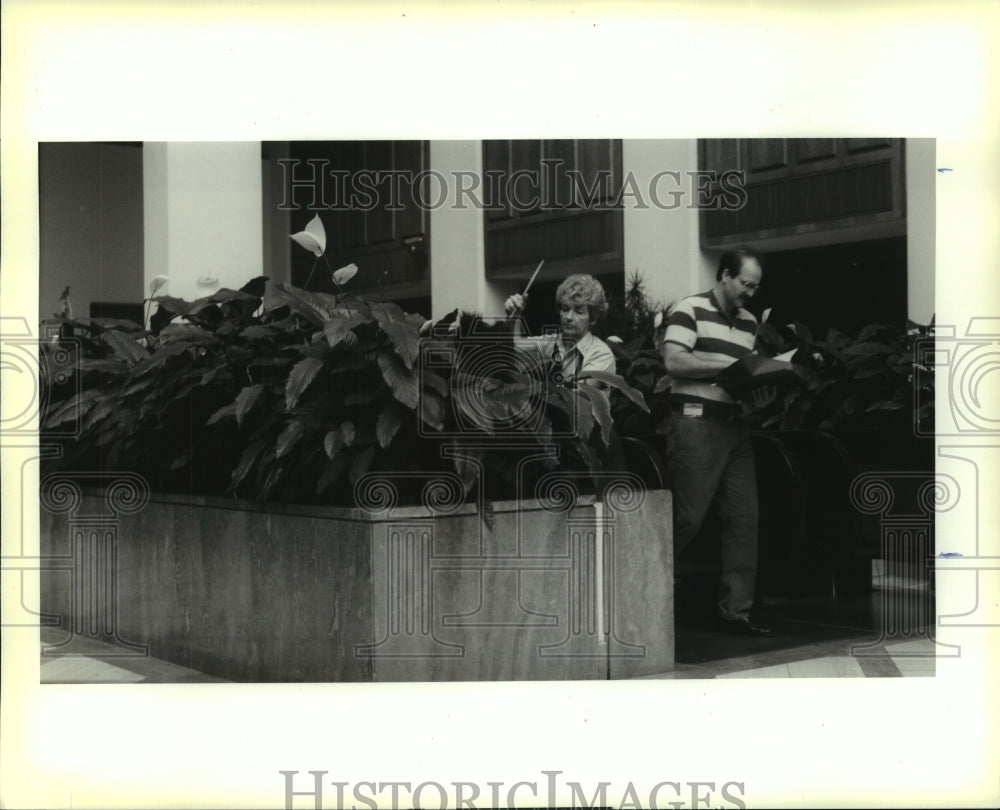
x,y
290,448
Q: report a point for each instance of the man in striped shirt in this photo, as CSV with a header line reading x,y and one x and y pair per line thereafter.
x,y
709,453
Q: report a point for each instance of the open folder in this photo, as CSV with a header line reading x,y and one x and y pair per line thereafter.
x,y
753,370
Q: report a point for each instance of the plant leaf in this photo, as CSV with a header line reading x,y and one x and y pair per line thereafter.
x,y
222,413
316,307
402,381
404,334
247,461
662,384
289,437
187,334
886,405
435,381
105,406
618,382
347,432
125,347
301,375
332,443
600,408
583,414
389,423
256,331
75,406
868,349
245,400
432,409
468,462
339,329
172,305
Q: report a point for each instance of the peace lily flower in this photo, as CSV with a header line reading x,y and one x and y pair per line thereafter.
x,y
614,339
345,274
658,320
313,238
155,283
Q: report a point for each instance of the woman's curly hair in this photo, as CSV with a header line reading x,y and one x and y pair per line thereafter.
x,y
583,289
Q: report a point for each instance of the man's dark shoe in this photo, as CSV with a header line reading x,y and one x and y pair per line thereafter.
x,y
742,626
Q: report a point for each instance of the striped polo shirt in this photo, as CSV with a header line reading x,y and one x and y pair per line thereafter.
x,y
700,324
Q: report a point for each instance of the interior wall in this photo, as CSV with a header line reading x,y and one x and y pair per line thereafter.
x,y
661,235
457,241
90,225
203,216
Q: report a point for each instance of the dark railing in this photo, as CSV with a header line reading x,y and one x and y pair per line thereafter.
x,y
812,540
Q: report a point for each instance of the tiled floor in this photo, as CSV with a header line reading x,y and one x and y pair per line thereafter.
x,y
814,637
824,637
87,660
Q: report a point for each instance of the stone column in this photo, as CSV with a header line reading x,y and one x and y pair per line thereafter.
x,y
93,560
907,554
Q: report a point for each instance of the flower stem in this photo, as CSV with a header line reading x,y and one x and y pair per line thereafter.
x,y
309,278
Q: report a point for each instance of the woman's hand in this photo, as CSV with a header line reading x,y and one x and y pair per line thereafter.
x,y
514,304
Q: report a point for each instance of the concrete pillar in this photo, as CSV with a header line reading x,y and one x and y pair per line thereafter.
x,y
921,181
457,237
203,224
660,222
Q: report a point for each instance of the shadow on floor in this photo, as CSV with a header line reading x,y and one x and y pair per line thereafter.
x,y
859,626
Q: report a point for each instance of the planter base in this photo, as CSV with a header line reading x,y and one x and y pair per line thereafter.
x,y
323,594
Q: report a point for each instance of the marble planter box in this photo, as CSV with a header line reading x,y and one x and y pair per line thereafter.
x,y
553,591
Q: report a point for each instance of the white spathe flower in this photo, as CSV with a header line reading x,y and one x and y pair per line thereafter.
x,y
658,320
313,238
345,274
155,283
614,339
765,315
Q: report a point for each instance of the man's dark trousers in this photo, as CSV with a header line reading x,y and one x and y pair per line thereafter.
x,y
711,466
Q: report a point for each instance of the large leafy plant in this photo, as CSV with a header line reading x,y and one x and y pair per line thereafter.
x,y
634,329
272,392
873,378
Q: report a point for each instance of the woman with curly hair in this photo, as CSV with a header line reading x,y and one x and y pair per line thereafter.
x,y
580,303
